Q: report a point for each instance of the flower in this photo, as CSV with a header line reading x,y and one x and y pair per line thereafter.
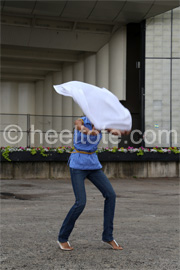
x,y
68,149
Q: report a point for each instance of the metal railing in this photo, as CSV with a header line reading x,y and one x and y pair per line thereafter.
x,y
17,129
31,130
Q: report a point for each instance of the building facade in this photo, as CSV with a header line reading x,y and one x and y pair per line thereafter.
x,y
162,75
132,49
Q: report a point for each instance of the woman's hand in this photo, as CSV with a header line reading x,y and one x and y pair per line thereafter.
x,y
118,132
80,126
94,131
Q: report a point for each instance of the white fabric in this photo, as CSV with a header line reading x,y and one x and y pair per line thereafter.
x,y
101,106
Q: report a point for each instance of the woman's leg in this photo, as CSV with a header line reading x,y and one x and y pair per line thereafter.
x,y
77,178
99,179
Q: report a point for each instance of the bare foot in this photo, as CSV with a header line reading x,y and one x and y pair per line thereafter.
x,y
114,245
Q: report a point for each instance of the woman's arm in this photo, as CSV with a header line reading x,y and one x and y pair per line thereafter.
x,y
118,132
79,125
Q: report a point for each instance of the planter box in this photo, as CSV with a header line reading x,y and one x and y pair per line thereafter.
x,y
118,156
104,157
27,156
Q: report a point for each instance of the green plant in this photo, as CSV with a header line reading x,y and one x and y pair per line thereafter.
x,y
33,151
115,149
140,153
159,150
42,152
5,153
174,150
60,150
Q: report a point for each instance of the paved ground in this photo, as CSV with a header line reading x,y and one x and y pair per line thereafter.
x,y
146,224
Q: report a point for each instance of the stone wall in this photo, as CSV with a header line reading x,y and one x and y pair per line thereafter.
x,y
162,88
60,170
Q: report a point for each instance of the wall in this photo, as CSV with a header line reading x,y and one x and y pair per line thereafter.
x,y
106,68
60,170
17,100
162,89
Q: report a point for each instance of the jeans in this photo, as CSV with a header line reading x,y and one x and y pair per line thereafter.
x,y
99,179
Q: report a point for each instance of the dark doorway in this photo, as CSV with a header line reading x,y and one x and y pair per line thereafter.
x,y
134,82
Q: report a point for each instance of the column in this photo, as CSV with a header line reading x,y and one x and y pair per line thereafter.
x,y
90,69
78,75
26,105
117,64
47,108
102,79
102,67
9,105
67,123
57,107
39,92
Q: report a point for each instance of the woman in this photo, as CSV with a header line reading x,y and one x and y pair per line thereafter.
x,y
83,164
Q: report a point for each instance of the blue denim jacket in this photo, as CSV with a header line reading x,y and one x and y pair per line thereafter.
x,y
87,143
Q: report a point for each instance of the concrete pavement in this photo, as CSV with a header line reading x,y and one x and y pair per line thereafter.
x,y
146,224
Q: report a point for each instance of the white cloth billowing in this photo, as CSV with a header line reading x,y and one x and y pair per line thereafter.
x,y
101,106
